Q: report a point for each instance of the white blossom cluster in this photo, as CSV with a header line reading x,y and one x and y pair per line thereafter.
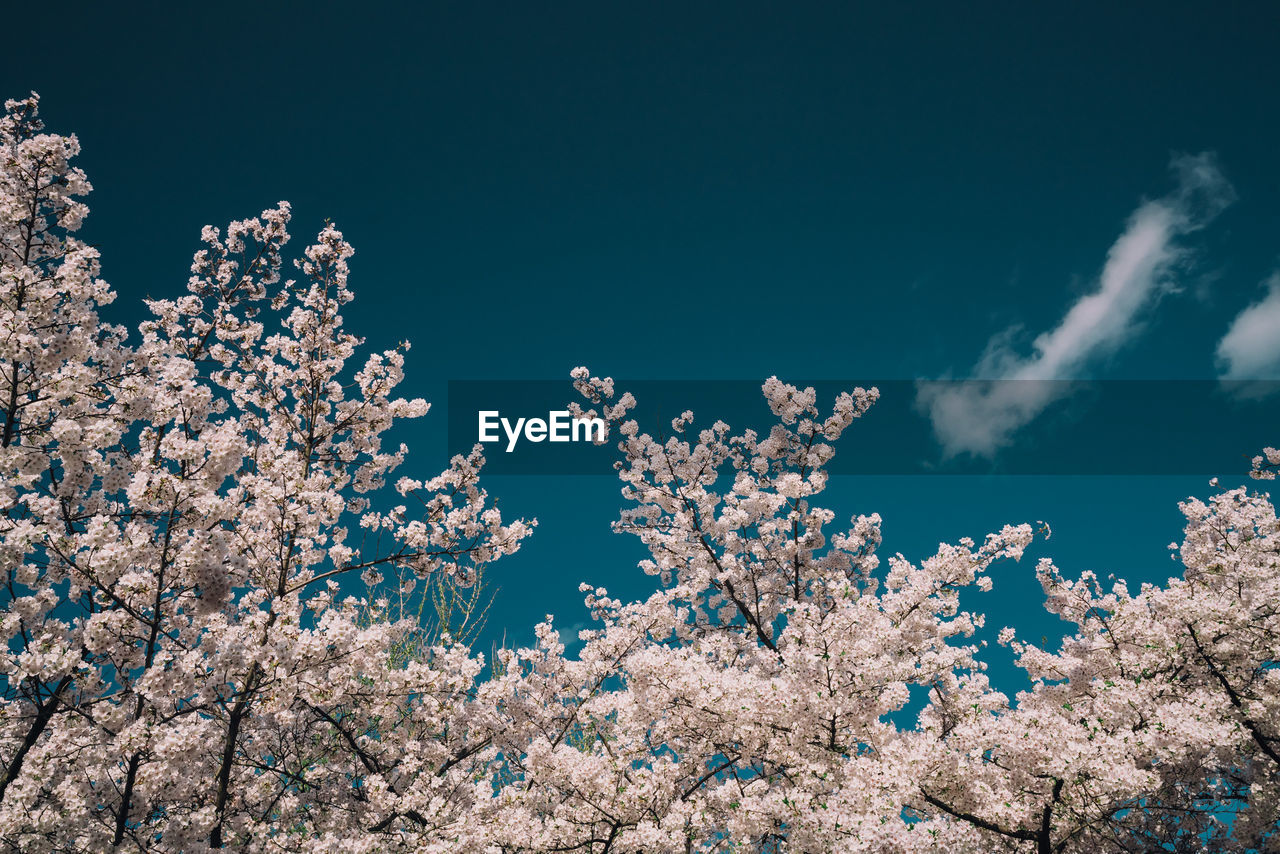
x,y
1266,464
184,511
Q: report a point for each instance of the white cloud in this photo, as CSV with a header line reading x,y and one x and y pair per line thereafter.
x,y
1251,348
979,418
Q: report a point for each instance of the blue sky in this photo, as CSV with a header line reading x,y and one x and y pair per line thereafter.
x,y
670,190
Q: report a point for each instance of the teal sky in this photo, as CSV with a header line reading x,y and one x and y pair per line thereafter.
x,y
728,190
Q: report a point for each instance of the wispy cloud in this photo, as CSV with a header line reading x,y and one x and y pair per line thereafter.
x,y
1251,348
980,418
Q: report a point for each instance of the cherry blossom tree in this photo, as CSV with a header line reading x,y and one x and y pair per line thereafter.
x,y
762,699
751,702
1155,723
181,670
215,585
